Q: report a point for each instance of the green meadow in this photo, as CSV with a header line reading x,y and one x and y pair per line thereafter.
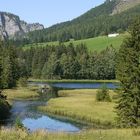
x,y
94,44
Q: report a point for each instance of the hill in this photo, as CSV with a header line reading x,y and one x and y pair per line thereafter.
x,y
112,16
94,44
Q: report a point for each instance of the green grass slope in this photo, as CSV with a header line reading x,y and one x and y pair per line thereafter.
x,y
94,44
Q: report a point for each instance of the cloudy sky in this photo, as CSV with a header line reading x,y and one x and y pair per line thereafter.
x,y
48,12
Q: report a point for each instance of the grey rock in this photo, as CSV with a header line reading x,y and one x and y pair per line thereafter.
x,y
123,5
11,26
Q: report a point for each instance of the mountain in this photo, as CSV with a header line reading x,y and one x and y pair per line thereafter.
x,y
109,17
11,26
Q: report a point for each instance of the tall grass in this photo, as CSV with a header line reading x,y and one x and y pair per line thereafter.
x,y
113,134
81,106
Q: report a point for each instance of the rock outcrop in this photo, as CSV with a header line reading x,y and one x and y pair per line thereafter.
x,y
122,5
12,27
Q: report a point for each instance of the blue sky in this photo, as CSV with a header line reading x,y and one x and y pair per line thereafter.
x,y
48,12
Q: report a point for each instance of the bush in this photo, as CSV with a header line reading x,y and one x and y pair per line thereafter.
x,y
22,82
18,123
103,95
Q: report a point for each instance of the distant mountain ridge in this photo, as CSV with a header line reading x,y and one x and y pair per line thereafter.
x,y
109,17
11,26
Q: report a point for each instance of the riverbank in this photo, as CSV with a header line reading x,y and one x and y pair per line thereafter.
x,y
22,93
73,81
81,106
112,134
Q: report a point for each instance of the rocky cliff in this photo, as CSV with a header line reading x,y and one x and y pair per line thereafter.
x,y
11,26
122,5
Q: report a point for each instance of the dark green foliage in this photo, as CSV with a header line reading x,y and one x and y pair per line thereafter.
x,y
128,72
51,68
103,95
4,107
69,62
12,67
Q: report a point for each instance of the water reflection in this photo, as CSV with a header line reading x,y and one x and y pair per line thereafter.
x,y
45,122
34,120
68,85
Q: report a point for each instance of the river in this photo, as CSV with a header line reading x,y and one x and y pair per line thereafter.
x,y
34,120
67,85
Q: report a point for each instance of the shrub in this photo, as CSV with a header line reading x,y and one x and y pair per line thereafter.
x,y
18,123
22,82
103,95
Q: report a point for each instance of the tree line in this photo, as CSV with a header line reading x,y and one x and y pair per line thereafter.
x,y
69,62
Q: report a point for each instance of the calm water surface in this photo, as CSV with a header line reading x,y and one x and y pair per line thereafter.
x,y
34,120
78,85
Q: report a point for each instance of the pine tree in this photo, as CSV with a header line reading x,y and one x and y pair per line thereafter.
x,y
10,66
51,67
128,72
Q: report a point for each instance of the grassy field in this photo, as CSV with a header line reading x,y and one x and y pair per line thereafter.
x,y
81,106
93,44
113,134
21,93
73,81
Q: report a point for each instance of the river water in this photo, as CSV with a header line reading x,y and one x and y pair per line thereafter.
x,y
67,85
34,120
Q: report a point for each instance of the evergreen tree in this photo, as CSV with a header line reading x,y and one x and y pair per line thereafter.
x,y
6,74
51,68
1,68
128,72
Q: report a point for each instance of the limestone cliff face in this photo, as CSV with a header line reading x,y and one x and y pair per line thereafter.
x,y
122,5
11,26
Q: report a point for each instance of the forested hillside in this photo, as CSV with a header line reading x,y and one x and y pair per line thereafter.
x,y
97,21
